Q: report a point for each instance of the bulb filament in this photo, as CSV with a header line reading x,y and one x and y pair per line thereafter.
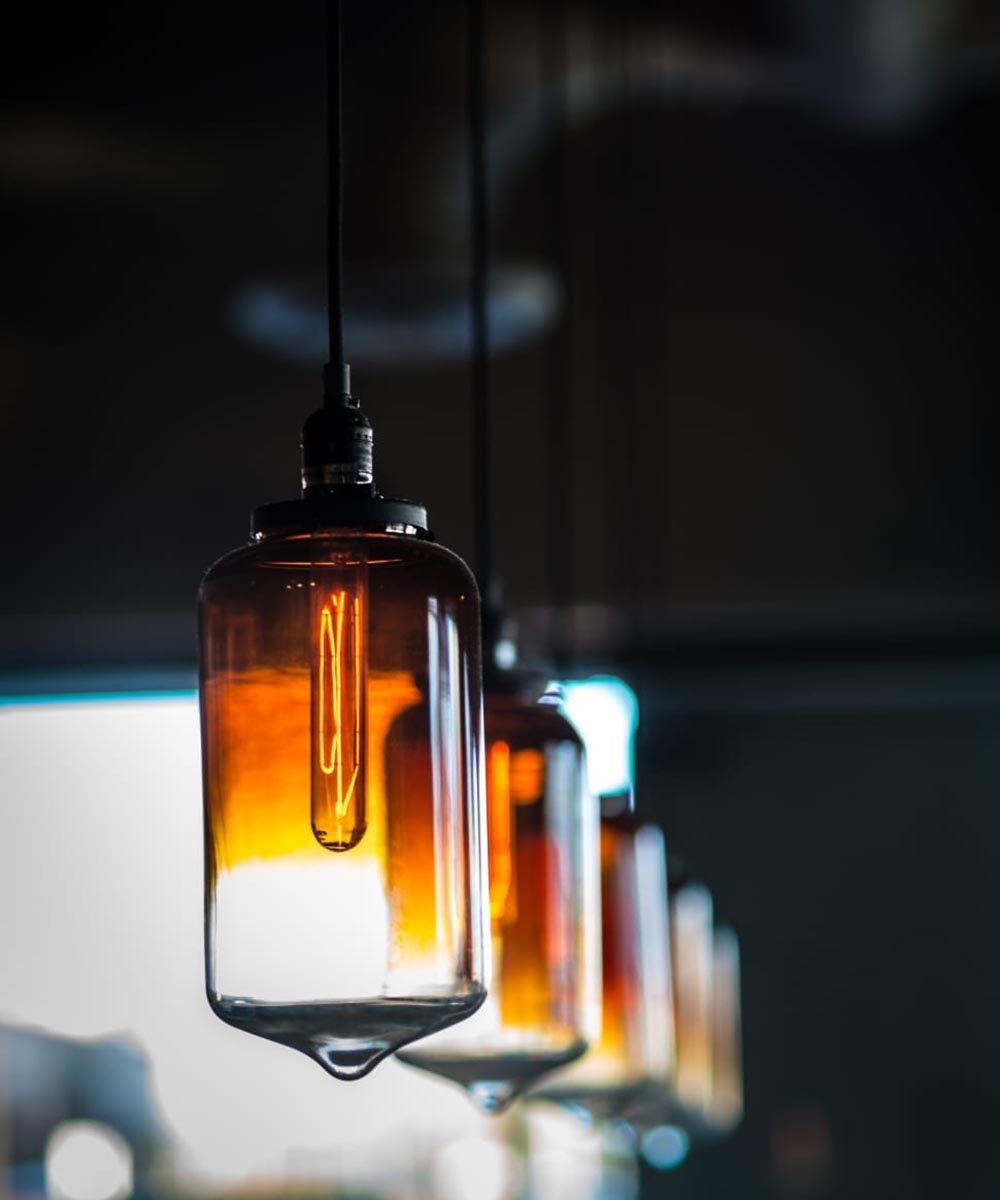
x,y
338,705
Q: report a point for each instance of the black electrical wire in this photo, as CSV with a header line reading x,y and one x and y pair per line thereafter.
x,y
336,386
479,258
558,369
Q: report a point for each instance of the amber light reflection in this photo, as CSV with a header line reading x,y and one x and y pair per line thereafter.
x,y
635,1041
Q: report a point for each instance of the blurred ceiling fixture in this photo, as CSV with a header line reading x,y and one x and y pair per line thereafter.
x,y
341,715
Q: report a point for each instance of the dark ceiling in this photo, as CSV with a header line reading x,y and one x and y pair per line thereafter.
x,y
774,237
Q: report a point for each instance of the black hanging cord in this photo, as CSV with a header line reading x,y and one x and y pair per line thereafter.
x,y
558,405
337,388
479,254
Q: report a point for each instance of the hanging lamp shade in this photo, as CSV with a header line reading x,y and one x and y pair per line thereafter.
x,y
636,1039
544,1002
703,1096
342,724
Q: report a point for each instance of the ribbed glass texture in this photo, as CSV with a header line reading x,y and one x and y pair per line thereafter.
x,y
342,727
544,1002
635,1046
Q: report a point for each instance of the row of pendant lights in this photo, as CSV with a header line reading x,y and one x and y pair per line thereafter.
x,y
403,854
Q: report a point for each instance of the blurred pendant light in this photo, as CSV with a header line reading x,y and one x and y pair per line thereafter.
x,y
691,940
725,1110
544,1001
542,820
636,1042
341,717
684,1096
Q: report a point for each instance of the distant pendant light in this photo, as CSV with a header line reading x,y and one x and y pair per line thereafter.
x,y
635,1047
682,1097
544,1002
726,1108
341,718
702,1096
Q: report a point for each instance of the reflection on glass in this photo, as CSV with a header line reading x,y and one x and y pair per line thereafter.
x,y
341,726
544,1000
636,1040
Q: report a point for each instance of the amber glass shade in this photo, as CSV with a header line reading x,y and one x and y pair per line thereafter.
x,y
636,1041
544,1001
341,728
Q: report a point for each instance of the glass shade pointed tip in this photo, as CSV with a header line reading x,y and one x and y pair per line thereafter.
x,y
493,1096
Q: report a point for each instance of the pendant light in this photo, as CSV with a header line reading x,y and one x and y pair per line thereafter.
x,y
726,1108
691,939
544,1003
544,999
342,723
635,1046
702,1097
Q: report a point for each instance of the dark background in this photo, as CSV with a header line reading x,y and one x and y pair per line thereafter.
x,y
743,447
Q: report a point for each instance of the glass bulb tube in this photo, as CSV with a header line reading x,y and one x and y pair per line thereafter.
x,y
318,649
544,906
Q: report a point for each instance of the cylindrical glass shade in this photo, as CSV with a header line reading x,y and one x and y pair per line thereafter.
x,y
636,1040
726,1108
544,1001
341,725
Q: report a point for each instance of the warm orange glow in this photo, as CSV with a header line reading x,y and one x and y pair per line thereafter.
x,y
261,793
340,711
621,1000
542,999
691,938
527,776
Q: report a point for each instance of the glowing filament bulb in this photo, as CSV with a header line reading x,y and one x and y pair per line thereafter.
x,y
338,734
